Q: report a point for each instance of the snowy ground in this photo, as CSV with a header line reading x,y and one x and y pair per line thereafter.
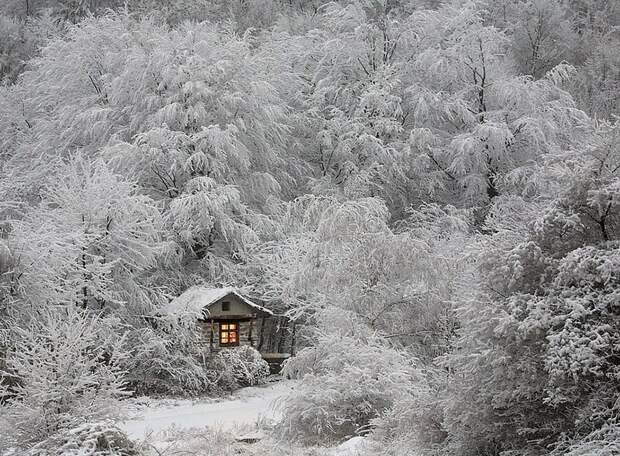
x,y
245,408
208,426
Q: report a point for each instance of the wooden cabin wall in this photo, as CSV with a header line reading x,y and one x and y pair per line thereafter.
x,y
269,335
204,333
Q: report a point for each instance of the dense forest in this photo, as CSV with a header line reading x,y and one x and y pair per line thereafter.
x,y
429,189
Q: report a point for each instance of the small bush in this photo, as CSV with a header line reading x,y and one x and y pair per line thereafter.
x,y
239,367
601,442
90,439
414,425
163,361
67,367
345,384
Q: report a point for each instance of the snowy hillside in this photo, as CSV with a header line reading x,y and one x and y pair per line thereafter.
x,y
409,209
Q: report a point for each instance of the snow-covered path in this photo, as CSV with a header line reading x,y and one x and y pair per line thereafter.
x,y
245,408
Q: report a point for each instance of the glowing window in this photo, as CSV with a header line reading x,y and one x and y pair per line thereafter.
x,y
229,334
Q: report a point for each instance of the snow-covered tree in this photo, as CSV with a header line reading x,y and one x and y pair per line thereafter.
x,y
67,370
196,117
597,84
543,36
477,125
351,102
428,189
88,240
541,330
341,256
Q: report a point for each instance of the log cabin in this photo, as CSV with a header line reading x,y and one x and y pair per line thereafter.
x,y
226,318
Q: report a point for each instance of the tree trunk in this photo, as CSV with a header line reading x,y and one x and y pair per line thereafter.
x,y
293,339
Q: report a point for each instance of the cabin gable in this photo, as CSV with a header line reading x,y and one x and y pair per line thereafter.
x,y
229,307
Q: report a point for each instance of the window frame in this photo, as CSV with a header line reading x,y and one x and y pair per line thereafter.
x,y
228,331
225,306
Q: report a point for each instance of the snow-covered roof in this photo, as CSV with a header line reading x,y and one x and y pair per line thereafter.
x,y
197,298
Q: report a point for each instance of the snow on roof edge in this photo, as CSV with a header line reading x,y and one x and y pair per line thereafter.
x,y
251,303
197,298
